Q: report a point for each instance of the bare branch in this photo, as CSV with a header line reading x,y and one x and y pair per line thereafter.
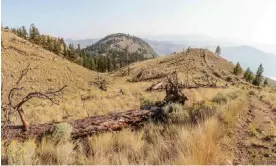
x,y
47,95
23,73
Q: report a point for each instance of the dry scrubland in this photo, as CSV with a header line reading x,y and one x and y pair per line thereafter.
x,y
201,132
51,71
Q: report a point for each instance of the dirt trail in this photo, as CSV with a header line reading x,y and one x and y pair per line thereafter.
x,y
256,135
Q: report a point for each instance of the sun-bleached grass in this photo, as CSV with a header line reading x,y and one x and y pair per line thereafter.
x,y
268,97
201,145
21,153
173,143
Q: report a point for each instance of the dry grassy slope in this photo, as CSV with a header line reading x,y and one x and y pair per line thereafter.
x,y
47,69
51,71
192,61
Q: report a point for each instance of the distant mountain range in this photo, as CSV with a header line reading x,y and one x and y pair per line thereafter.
x,y
248,56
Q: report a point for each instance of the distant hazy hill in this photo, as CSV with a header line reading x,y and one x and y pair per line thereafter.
x,y
161,47
119,42
246,55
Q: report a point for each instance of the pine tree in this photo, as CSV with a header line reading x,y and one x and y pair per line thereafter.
x,y
259,76
34,35
248,75
56,46
43,41
79,49
71,51
64,48
24,32
218,50
266,82
92,64
247,71
19,32
238,69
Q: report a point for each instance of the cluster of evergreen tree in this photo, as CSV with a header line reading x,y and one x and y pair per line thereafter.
x,y
103,60
249,75
55,45
238,69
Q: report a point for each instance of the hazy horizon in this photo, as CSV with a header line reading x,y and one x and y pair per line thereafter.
x,y
246,20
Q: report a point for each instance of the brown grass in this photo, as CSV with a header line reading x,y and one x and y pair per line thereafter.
x,y
174,143
179,142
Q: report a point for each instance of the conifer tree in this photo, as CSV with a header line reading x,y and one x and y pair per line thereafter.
x,y
34,34
259,76
266,82
248,75
218,50
24,32
247,71
238,69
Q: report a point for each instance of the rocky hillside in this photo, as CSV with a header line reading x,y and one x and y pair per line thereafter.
x,y
120,43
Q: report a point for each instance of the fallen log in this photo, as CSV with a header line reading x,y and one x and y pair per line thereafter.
x,y
157,86
160,87
83,127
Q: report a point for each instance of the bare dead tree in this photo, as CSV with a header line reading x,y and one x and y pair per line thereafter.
x,y
173,92
101,83
14,105
23,73
83,99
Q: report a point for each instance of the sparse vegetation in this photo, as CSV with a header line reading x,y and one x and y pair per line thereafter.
x,y
199,131
238,69
248,75
99,57
176,143
62,132
265,82
220,98
259,76
218,50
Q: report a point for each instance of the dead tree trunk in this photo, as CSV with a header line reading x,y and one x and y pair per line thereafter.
x,y
25,123
85,127
14,106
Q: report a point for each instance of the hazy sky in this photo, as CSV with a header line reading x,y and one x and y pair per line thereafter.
x,y
245,20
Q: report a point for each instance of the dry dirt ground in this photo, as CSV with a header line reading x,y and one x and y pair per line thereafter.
x,y
256,135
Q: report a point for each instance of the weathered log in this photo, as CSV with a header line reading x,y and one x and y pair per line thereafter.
x,y
157,86
83,127
181,86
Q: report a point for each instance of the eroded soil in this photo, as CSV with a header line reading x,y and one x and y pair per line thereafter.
x,y
256,135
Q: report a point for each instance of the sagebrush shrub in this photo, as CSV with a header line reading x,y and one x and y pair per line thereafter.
x,y
220,98
62,132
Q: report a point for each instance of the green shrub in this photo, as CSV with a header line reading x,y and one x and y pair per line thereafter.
x,y
201,111
176,113
233,95
62,132
220,98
